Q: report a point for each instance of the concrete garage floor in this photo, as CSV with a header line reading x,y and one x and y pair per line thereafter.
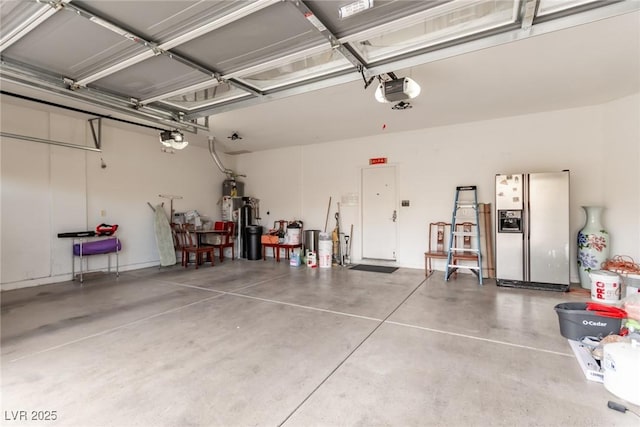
x,y
259,343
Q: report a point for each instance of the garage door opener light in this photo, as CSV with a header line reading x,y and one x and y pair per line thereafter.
x,y
173,139
397,90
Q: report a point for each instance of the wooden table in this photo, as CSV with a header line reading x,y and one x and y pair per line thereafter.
x,y
200,234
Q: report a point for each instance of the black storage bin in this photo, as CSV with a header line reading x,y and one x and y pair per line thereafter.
x,y
254,246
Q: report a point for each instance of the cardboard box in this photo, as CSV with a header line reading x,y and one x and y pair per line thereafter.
x,y
590,367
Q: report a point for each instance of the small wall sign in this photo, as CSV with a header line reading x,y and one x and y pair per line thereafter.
x,y
378,161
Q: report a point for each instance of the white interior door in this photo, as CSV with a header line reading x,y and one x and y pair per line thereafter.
x,y
379,212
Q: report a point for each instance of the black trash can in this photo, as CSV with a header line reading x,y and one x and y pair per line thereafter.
x,y
254,246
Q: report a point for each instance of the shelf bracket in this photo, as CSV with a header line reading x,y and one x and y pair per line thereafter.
x,y
97,135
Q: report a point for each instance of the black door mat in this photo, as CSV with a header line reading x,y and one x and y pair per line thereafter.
x,y
374,268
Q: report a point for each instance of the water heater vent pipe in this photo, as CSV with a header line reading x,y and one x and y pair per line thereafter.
x,y
230,174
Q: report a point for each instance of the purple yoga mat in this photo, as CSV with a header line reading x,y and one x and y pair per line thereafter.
x,y
98,247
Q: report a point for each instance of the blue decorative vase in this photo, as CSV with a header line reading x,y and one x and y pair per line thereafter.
x,y
593,245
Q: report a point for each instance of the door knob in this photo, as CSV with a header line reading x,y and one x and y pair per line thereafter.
x,y
394,216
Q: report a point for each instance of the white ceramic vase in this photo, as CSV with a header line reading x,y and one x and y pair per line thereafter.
x,y
593,245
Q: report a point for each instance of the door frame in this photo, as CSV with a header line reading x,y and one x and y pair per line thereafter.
x,y
395,203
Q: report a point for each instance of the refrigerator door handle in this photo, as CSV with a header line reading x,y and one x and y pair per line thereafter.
x,y
525,251
526,232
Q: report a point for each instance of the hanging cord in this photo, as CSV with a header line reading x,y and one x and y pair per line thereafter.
x,y
621,264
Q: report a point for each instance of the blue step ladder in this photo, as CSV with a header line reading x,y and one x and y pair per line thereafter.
x,y
464,228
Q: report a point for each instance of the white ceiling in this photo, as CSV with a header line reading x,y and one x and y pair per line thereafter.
x,y
583,65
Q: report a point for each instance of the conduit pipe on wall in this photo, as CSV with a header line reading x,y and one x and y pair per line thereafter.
x,y
230,174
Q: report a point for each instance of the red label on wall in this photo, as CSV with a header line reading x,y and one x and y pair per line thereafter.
x,y
378,161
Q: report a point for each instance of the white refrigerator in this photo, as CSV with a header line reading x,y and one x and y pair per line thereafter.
x,y
532,230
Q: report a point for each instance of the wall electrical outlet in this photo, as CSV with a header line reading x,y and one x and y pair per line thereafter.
x,y
405,203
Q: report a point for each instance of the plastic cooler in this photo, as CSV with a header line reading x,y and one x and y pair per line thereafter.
x,y
631,284
576,322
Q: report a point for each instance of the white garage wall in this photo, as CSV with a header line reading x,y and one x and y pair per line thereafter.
x,y
67,189
46,190
25,194
432,162
621,169
276,175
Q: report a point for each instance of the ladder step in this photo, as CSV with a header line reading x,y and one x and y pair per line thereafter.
x,y
468,267
464,249
462,205
465,233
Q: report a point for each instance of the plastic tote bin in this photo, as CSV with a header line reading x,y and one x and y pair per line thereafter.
x,y
577,322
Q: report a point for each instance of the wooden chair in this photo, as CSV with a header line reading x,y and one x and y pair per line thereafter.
x,y
178,238
227,239
438,244
187,241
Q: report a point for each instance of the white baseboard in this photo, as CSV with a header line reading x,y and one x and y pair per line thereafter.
x,y
67,277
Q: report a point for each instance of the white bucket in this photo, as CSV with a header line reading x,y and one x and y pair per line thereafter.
x,y
605,286
294,236
325,250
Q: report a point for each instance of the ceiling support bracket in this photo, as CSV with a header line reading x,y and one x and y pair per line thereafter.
x,y
71,84
136,103
97,135
367,82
